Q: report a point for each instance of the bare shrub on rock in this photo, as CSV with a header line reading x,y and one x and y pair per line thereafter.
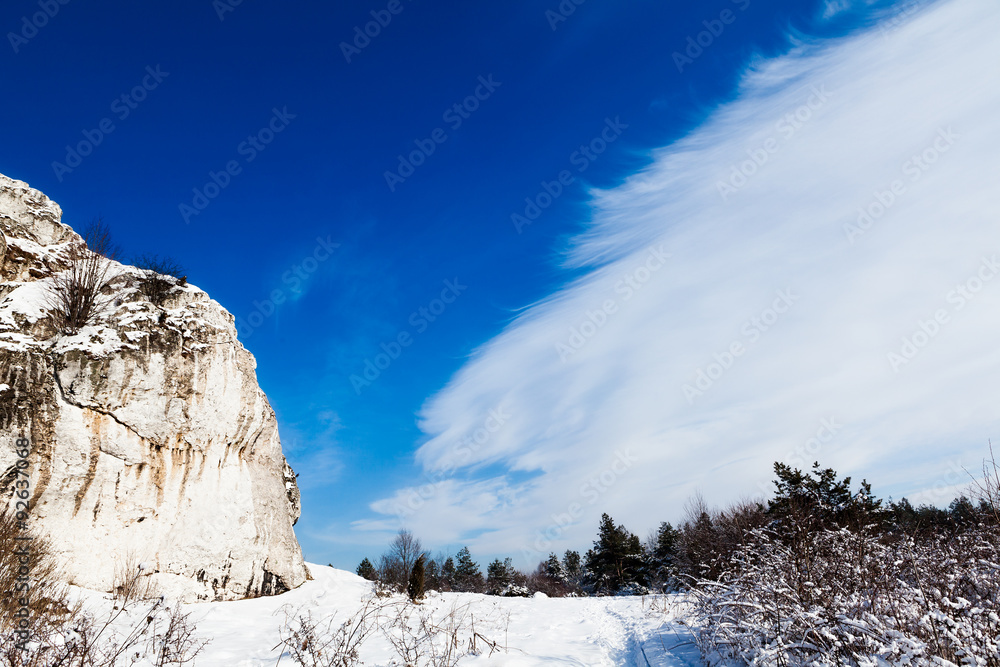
x,y
160,275
76,295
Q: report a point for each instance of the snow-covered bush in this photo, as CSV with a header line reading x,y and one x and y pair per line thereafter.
x,y
153,633
422,639
843,597
514,590
55,630
837,578
326,642
418,635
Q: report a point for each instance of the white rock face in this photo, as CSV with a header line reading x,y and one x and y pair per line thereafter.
x,y
152,441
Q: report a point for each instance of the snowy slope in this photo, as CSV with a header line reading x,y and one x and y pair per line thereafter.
x,y
584,632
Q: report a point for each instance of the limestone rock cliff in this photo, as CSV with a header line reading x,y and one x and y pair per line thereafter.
x,y
151,440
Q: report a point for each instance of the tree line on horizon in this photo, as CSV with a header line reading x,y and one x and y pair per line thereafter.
x,y
673,559
821,574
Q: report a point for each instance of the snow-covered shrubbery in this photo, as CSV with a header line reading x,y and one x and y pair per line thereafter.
x,y
326,642
137,633
847,597
836,579
418,637
54,629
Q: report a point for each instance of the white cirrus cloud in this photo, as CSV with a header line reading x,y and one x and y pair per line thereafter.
x,y
843,208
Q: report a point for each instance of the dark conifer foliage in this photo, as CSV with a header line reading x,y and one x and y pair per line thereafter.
x,y
432,576
468,577
663,565
367,570
447,580
415,586
573,567
617,562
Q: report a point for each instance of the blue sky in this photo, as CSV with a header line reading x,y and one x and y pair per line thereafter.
x,y
249,143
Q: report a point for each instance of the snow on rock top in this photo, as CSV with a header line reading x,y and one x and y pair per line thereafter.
x,y
151,440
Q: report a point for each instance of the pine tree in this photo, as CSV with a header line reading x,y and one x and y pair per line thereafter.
x,y
432,576
616,563
468,577
963,513
810,501
550,578
448,574
366,570
573,566
415,586
807,502
663,555
499,575
553,569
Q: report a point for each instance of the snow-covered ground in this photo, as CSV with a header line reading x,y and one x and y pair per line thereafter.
x,y
536,631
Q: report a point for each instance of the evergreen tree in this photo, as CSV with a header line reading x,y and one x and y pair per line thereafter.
x,y
701,553
806,504
616,563
499,575
468,577
573,566
904,516
366,570
663,555
415,586
817,500
432,576
447,576
553,569
963,513
905,519
550,578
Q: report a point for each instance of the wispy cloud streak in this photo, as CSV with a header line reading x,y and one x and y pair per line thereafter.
x,y
731,304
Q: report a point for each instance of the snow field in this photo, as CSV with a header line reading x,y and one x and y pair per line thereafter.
x,y
585,632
